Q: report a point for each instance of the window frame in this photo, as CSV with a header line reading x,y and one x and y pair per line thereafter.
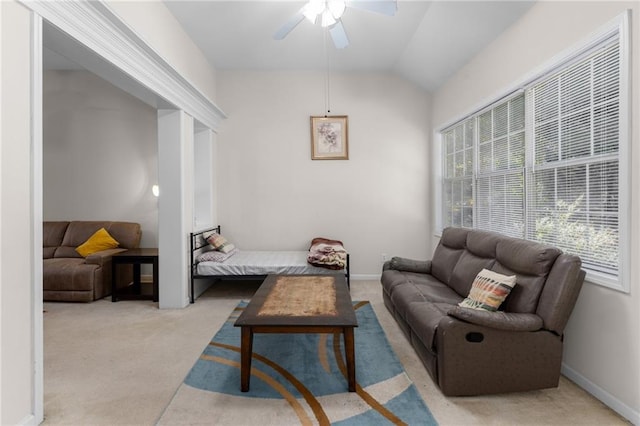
x,y
618,27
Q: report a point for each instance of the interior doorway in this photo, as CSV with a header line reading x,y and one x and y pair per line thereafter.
x,y
154,84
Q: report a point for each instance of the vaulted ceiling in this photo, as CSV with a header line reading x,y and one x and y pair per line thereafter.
x,y
425,42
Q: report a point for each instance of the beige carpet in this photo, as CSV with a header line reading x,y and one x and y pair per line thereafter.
x,y
121,363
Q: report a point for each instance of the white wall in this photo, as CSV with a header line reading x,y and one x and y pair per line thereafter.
x,y
159,28
205,178
18,228
16,266
272,196
601,344
100,153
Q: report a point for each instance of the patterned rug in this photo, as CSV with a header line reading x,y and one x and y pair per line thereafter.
x,y
299,379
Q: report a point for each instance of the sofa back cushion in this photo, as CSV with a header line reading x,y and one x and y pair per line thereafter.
x,y
446,255
52,235
126,233
466,270
531,262
480,253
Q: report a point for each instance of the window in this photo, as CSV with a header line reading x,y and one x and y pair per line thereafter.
x,y
574,179
458,174
500,174
546,162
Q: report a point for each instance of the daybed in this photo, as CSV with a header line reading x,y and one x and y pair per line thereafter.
x,y
475,351
67,276
251,265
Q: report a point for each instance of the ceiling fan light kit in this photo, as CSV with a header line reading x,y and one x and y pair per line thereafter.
x,y
327,19
329,10
330,13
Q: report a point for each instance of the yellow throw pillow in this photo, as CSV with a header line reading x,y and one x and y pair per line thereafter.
x,y
100,240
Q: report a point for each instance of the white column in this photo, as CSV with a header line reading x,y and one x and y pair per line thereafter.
x,y
204,184
175,205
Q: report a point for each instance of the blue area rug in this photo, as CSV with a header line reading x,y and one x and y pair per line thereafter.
x,y
299,379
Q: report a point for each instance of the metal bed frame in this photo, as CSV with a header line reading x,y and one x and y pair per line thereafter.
x,y
197,244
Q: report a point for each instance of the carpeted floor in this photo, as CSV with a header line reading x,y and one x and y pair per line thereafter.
x,y
299,378
121,364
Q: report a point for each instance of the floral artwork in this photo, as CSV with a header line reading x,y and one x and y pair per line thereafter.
x,y
329,138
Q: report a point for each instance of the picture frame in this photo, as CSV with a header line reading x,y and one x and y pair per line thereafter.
x,y
330,137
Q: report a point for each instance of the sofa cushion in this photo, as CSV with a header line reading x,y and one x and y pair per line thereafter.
x,y
526,257
69,274
100,240
488,291
423,318
466,270
425,284
126,233
525,295
446,255
424,288
498,320
52,235
390,279
531,262
483,243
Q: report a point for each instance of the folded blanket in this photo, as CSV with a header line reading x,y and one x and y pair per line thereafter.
x,y
326,253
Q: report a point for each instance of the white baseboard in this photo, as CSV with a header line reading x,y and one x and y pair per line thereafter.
x,y
147,279
30,420
605,397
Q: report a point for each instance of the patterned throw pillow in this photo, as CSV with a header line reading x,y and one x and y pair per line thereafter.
x,y
219,242
488,291
216,256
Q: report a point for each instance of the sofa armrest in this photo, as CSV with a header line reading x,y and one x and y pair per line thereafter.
x,y
102,257
408,265
507,321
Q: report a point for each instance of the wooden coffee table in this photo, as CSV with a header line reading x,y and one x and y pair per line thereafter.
x,y
298,304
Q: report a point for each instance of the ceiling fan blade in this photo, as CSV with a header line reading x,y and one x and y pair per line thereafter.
x,y
385,7
289,25
339,35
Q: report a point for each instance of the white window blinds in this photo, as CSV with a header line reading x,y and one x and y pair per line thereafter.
x,y
544,163
574,180
458,174
500,176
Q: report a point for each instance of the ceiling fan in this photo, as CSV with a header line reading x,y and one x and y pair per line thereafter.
x,y
329,14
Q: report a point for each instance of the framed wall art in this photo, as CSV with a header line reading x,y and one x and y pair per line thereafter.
x,y
329,137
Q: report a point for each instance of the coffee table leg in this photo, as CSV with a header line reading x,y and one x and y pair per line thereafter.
x,y
246,344
349,351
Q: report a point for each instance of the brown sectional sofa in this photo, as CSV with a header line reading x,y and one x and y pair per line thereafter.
x,y
69,277
473,352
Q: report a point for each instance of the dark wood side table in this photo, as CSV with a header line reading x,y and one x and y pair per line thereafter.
x,y
135,257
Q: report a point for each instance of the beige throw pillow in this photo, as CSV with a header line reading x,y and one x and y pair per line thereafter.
x,y
488,291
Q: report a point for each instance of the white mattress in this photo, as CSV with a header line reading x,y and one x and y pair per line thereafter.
x,y
264,263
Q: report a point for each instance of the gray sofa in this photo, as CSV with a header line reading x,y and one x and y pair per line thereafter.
x,y
69,277
473,352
